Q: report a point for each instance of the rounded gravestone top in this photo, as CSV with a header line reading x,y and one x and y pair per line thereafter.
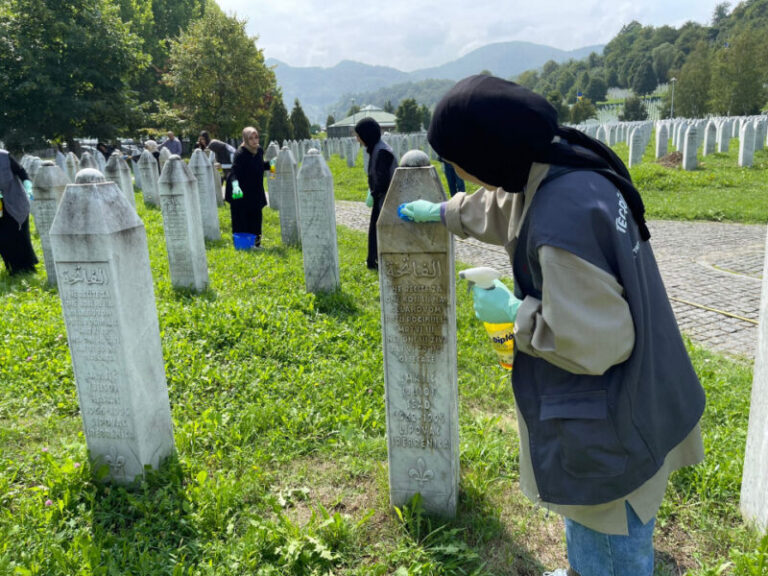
x,y
313,151
49,163
89,176
415,159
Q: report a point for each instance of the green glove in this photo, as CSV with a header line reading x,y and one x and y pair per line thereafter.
x,y
369,200
237,193
28,188
496,305
420,211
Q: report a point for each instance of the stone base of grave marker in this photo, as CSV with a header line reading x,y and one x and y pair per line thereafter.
x,y
418,319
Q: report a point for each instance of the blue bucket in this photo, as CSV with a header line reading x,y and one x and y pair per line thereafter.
x,y
244,241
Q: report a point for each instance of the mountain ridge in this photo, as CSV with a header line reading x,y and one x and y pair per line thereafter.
x,y
318,88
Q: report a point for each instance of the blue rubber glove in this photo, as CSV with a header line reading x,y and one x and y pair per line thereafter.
x,y
497,305
28,188
369,200
420,211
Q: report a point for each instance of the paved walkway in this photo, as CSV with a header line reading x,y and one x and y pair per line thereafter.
x,y
712,272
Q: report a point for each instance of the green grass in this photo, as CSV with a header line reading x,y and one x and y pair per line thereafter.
x,y
277,399
717,190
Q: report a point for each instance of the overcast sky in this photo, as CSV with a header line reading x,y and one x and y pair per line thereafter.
x,y
413,34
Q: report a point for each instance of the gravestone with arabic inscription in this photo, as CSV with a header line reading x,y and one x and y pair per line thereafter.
x,y
107,297
317,223
183,226
418,323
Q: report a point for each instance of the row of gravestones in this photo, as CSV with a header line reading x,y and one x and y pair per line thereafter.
x,y
104,279
100,260
688,136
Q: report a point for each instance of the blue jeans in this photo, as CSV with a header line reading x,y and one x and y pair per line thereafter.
x,y
592,553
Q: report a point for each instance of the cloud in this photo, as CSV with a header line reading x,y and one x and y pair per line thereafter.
x,y
409,35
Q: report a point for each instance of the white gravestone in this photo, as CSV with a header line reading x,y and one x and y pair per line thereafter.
x,y
107,297
418,323
271,154
114,172
723,136
746,144
662,140
690,143
201,168
183,226
49,185
710,138
754,483
285,187
317,222
636,146
216,174
149,175
72,166
165,154
88,161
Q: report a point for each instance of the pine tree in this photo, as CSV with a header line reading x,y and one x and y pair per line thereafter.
x,y
408,117
329,121
279,127
301,127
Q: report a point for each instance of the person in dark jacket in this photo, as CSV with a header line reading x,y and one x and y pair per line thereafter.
x,y
247,176
608,401
381,168
15,194
221,150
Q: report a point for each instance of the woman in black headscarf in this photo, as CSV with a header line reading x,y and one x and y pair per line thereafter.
x,y
608,402
381,168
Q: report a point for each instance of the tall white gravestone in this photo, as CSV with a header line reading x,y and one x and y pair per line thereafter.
x,y
49,186
317,223
418,323
690,143
754,483
107,296
114,172
183,226
285,187
149,175
746,144
203,172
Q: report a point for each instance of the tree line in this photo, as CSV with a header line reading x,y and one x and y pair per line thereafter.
x,y
102,68
720,68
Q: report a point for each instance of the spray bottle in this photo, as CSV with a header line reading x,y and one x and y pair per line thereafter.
x,y
501,335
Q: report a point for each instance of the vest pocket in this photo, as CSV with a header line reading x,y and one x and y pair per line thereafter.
x,y
589,446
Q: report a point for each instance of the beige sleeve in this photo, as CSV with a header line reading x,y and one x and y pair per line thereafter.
x,y
582,324
484,215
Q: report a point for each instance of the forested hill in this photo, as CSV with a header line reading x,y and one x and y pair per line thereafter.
x,y
319,88
719,68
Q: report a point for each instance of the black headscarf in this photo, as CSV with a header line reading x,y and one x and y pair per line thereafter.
x,y
495,130
369,131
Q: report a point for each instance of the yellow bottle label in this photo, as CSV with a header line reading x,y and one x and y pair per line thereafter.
x,y
502,341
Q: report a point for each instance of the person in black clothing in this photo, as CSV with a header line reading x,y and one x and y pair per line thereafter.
x,y
247,175
381,168
15,242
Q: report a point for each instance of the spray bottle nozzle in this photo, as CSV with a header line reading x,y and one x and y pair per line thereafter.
x,y
483,276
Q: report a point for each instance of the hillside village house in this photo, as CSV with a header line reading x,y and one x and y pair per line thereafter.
x,y
345,127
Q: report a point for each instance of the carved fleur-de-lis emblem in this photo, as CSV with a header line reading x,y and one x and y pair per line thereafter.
x,y
421,474
116,463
